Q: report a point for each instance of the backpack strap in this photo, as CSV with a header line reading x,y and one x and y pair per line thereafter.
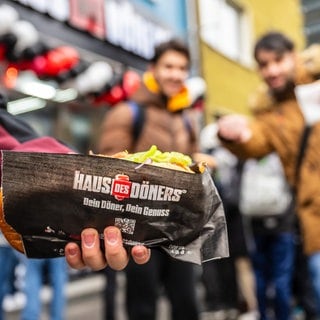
x,y
303,146
188,126
138,118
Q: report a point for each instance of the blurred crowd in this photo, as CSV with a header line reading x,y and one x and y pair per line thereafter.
x,y
273,268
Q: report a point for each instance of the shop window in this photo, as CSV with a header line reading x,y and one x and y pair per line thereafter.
x,y
224,27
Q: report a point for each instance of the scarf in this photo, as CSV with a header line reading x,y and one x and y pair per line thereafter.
x,y
180,101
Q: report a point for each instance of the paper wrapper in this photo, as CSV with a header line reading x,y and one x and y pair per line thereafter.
x,y
50,198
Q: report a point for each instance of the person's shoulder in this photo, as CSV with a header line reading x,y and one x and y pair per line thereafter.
x,y
260,100
122,106
119,114
121,110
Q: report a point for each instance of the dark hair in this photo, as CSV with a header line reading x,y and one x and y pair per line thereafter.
x,y
174,45
273,41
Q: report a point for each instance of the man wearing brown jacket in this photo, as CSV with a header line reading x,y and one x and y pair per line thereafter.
x,y
169,124
279,127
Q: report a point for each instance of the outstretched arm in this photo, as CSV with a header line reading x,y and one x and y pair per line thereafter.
x,y
234,128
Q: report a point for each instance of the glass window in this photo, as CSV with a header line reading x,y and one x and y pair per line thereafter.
x,y
223,27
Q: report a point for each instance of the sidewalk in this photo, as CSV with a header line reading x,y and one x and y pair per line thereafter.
x,y
84,297
85,300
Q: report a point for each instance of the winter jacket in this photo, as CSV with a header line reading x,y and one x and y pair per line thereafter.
x,y
168,130
278,126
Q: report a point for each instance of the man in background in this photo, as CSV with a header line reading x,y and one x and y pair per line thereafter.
x,y
279,127
164,118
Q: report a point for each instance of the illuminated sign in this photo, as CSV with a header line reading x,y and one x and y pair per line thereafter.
x,y
130,30
116,21
57,9
89,16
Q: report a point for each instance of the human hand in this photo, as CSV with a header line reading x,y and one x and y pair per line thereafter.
x,y
207,158
234,128
115,255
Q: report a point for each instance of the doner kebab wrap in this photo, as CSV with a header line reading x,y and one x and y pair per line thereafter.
x,y
157,199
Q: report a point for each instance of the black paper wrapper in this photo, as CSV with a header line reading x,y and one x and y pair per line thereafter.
x,y
50,198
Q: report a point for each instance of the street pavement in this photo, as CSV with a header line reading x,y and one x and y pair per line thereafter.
x,y
84,300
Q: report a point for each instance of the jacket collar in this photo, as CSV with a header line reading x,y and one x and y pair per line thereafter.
x,y
174,104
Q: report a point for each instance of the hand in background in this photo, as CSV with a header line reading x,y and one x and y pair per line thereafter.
x,y
207,158
115,255
234,128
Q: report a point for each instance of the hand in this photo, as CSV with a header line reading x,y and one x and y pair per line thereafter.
x,y
207,158
115,255
234,128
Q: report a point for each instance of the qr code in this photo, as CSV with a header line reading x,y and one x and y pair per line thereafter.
x,y
125,225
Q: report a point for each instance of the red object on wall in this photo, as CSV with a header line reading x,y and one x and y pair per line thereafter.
x,y
88,15
111,97
55,61
130,82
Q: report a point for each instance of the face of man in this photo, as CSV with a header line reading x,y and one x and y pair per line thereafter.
x,y
277,70
170,72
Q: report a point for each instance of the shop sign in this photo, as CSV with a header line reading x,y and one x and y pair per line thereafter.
x,y
89,16
116,21
57,9
130,30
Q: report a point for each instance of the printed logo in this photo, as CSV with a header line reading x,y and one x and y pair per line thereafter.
x,y
121,187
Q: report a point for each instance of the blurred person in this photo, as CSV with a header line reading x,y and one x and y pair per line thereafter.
x,y
167,121
110,294
57,277
8,257
280,128
18,135
8,262
266,205
304,300
229,283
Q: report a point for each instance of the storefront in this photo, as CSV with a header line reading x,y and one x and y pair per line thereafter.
x,y
113,32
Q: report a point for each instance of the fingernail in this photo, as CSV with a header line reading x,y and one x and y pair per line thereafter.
x,y
112,236
89,240
72,251
141,253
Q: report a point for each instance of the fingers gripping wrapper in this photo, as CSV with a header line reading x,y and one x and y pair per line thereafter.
x,y
48,199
